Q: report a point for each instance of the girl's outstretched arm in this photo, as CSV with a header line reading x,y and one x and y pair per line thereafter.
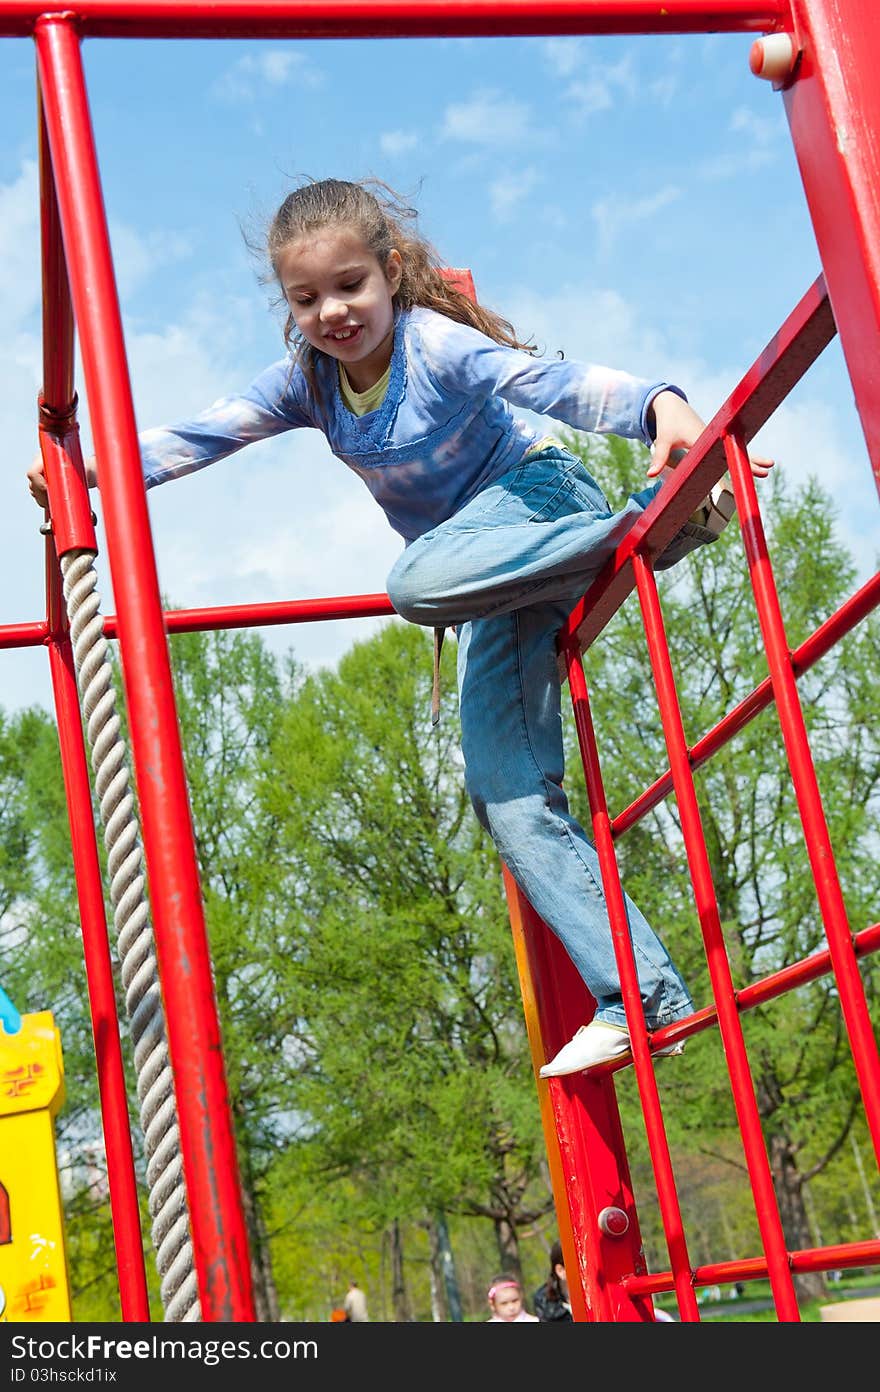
x,y
272,404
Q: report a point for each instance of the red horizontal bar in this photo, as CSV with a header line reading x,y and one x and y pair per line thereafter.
x,y
807,969
24,635
847,1254
260,615
778,983
348,19
31,635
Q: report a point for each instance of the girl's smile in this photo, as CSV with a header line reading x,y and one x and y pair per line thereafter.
x,y
342,299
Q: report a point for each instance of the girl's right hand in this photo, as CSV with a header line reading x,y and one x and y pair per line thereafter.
x,y
37,482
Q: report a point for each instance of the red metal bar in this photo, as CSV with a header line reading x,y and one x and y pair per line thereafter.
x,y
808,969
25,635
71,514
797,746
284,611
760,992
58,327
847,1255
744,1100
649,1096
207,1140
351,19
833,108
856,608
58,401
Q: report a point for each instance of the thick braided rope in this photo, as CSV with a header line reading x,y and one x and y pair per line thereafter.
x,y
134,936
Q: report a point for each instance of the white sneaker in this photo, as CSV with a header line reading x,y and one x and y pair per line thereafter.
x,y
719,507
595,1043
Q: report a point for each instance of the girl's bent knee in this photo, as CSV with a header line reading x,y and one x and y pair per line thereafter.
x,y
402,601
404,593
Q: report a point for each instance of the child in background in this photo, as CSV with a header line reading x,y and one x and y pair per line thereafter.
x,y
412,385
506,1302
551,1300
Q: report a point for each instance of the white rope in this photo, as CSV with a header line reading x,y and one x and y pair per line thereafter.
x,y
134,936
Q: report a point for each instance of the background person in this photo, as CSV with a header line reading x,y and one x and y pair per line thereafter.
x,y
551,1300
355,1304
506,1301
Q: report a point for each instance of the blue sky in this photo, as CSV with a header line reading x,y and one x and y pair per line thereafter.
x,y
634,202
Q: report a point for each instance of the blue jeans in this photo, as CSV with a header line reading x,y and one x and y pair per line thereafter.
x,y
505,571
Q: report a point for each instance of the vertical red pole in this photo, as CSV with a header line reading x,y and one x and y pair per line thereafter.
x,y
833,108
206,1135
806,787
58,406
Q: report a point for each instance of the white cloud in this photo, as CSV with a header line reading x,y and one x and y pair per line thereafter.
x,y
807,438
564,55
589,95
600,86
664,89
488,119
593,324
398,142
136,257
20,245
734,165
246,80
614,215
507,192
764,130
757,144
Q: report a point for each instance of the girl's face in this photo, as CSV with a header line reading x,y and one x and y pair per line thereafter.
x,y
341,299
507,1302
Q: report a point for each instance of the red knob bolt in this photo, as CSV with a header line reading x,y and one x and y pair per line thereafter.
x,y
613,1222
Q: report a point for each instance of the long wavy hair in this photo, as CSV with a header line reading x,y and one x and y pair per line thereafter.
x,y
385,222
553,1286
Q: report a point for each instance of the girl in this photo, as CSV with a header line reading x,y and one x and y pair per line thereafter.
x,y
503,529
506,1302
551,1300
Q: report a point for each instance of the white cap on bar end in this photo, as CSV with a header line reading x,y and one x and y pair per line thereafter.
x,y
773,57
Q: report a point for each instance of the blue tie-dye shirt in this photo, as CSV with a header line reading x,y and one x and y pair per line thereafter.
x,y
443,431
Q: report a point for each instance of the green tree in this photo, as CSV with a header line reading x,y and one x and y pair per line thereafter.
x,y
415,1076
229,691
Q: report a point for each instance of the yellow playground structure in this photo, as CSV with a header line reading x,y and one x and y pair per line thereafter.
x,y
34,1283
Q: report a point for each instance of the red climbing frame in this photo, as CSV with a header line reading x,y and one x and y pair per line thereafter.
x,y
828,78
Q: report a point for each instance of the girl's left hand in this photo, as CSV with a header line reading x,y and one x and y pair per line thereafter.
x,y
677,428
